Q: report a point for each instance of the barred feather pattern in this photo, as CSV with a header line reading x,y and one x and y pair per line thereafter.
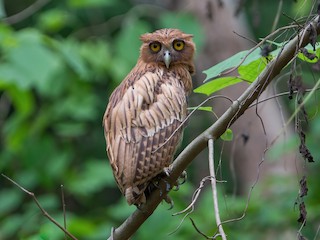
x,y
143,113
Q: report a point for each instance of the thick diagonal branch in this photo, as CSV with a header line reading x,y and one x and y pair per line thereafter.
x,y
237,108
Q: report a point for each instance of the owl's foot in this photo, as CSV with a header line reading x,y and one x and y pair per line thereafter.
x,y
154,184
167,170
181,180
169,200
182,177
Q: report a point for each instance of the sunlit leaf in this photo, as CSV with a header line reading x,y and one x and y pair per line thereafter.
x,y
216,85
206,109
251,71
310,50
231,62
227,135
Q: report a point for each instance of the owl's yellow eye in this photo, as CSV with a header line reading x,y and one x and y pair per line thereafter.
x,y
155,47
178,45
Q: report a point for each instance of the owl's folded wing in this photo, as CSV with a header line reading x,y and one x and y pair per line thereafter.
x,y
140,129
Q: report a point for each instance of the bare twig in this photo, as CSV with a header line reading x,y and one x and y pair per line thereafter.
x,y
237,108
27,12
64,210
254,48
200,232
276,19
281,95
190,208
187,118
317,232
31,194
214,189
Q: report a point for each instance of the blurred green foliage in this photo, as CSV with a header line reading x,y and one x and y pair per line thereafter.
x,y
57,69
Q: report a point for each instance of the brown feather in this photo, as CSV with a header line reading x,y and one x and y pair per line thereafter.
x,y
144,111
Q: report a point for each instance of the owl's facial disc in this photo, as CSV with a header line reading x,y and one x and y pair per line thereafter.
x,y
167,58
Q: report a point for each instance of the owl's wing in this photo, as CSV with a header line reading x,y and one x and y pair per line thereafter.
x,y
139,122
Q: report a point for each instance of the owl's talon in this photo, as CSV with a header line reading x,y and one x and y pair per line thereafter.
x,y
167,170
169,201
184,177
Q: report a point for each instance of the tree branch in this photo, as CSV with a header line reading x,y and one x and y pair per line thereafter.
x,y
237,108
27,12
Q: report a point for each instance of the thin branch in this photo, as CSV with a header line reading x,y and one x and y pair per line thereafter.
x,y
31,194
27,12
182,124
201,233
226,72
281,95
190,208
214,189
237,108
63,210
276,19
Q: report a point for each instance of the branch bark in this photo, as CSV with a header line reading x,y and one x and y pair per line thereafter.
x,y
237,108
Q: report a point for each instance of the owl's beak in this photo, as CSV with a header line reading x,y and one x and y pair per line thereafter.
x,y
167,58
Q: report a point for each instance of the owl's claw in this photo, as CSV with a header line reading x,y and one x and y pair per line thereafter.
x,y
155,184
167,170
184,177
169,200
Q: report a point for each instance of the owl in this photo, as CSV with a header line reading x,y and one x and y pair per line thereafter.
x,y
142,122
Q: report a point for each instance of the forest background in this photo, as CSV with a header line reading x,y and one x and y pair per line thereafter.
x,y
60,60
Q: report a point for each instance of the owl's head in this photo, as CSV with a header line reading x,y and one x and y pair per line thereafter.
x,y
168,47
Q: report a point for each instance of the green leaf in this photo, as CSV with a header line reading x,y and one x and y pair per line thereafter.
x,y
251,71
309,48
216,85
231,62
207,109
227,135
90,3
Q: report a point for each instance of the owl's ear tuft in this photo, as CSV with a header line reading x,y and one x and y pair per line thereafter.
x,y
145,37
187,36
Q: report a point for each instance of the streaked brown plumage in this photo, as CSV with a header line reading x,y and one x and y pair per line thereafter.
x,y
146,108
